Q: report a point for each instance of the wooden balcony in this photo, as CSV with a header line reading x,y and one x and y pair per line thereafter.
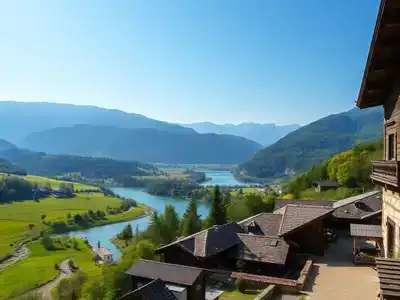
x,y
386,172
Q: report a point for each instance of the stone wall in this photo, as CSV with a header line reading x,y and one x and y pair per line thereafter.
x,y
391,209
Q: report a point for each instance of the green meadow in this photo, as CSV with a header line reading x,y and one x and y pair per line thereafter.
x,y
21,221
39,268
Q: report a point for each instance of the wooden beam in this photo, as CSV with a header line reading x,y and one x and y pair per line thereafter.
x,y
377,74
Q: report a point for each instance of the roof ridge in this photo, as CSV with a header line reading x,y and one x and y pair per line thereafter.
x,y
308,206
260,236
175,265
282,218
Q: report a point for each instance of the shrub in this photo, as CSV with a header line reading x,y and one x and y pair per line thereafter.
x,y
56,266
240,285
72,265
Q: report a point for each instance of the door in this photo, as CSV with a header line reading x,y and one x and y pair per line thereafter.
x,y
390,237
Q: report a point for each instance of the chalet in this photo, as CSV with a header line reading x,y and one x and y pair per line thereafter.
x,y
186,283
103,254
155,290
381,87
325,185
301,225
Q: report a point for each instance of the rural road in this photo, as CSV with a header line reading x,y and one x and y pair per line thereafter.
x,y
45,290
18,255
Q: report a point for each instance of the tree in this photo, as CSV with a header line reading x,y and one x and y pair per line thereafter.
x,y
171,224
126,233
156,228
217,214
43,216
191,222
255,204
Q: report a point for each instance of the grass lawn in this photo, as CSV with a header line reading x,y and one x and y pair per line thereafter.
x,y
16,217
38,268
236,295
54,183
247,190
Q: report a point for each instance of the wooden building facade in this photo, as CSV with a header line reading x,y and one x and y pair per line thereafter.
x,y
381,87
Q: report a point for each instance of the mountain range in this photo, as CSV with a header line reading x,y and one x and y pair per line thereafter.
x,y
264,134
144,144
311,144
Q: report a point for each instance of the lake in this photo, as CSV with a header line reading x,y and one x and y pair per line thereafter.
x,y
106,232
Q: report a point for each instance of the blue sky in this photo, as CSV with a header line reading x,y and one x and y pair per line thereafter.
x,y
185,61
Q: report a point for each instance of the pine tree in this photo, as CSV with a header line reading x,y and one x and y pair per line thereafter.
x,y
171,223
156,228
217,214
191,222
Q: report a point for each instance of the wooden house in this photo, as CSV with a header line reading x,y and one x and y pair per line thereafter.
x,y
185,282
381,87
325,185
154,290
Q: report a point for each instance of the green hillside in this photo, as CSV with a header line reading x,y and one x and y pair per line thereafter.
x,y
351,169
314,143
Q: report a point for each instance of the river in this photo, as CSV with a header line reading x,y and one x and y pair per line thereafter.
x,y
106,232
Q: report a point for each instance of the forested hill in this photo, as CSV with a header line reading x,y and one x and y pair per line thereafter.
x,y
40,163
145,145
351,169
38,116
314,143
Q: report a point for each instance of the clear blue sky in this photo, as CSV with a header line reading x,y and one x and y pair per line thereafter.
x,y
189,60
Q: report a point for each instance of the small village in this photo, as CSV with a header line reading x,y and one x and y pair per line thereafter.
x,y
321,249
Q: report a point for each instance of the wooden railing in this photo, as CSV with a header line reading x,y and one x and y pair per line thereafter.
x,y
386,172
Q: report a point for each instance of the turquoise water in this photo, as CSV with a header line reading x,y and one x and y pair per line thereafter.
x,y
221,178
106,232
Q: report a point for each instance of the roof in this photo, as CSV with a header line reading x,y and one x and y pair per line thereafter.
x,y
155,290
171,273
389,276
326,183
279,203
383,57
265,279
267,223
262,249
297,216
103,251
365,230
359,207
210,241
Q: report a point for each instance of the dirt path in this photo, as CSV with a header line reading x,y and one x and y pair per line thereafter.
x,y
45,290
18,255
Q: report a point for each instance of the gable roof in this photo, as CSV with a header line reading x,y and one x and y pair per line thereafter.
x,y
279,203
382,64
359,207
262,249
326,183
297,216
178,274
268,223
210,241
155,290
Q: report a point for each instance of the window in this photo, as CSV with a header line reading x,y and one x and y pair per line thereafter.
x,y
391,147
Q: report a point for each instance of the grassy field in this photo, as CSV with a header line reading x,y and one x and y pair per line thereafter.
x,y
17,218
43,181
236,295
39,268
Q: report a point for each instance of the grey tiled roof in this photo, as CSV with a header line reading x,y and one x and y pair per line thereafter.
x,y
326,183
365,230
171,273
155,290
279,203
268,223
210,241
296,216
359,207
262,249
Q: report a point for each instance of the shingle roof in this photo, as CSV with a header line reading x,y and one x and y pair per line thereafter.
x,y
279,203
155,290
359,207
268,223
262,249
210,241
296,216
326,183
365,230
178,274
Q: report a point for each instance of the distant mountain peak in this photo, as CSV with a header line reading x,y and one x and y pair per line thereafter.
x,y
264,134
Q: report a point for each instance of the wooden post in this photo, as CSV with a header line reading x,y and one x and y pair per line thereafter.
x,y
354,250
